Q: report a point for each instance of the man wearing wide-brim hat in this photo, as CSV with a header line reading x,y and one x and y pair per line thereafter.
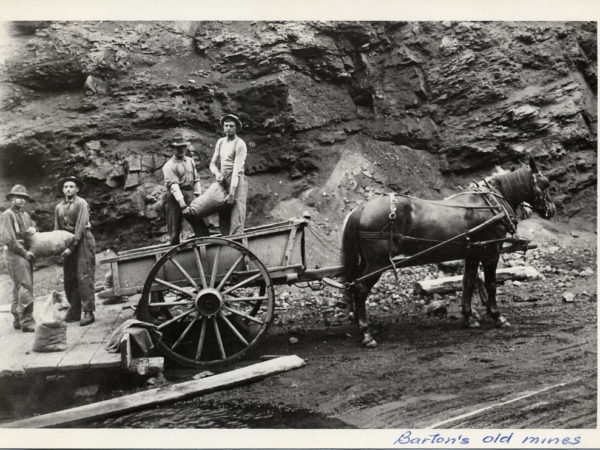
x,y
19,260
183,184
79,260
227,165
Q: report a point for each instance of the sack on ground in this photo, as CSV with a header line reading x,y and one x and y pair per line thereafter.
x,y
48,243
50,337
209,202
54,309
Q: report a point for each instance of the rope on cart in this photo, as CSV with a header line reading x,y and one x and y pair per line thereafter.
x,y
321,238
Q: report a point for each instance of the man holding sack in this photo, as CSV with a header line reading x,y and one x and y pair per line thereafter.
x,y
19,260
79,260
228,194
183,184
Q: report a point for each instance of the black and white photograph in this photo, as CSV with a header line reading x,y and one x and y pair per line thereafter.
x,y
300,224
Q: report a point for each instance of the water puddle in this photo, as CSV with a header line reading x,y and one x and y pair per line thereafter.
x,y
195,414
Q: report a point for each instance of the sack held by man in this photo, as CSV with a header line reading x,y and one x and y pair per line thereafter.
x,y
48,243
210,202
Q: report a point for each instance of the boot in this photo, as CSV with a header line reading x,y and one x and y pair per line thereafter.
x,y
16,323
88,318
72,315
26,319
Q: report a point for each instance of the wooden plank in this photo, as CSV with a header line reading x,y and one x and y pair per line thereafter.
x,y
14,346
157,396
147,366
289,247
101,357
88,339
452,284
116,279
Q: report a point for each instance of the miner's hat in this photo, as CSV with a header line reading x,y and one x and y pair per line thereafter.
x,y
236,119
18,190
80,184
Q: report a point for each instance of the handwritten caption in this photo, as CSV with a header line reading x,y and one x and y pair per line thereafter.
x,y
411,438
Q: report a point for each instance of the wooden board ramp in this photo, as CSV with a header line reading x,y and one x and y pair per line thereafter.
x,y
153,397
85,345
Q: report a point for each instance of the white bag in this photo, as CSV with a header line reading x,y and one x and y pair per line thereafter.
x,y
54,309
48,243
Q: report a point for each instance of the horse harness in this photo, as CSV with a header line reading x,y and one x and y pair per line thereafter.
x,y
496,203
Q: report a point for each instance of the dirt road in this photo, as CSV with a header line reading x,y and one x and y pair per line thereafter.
x,y
431,372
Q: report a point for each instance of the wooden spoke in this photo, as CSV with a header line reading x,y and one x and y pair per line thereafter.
x,y
174,287
184,273
246,299
244,315
219,340
179,303
234,329
174,319
241,283
213,276
230,272
200,268
185,332
201,340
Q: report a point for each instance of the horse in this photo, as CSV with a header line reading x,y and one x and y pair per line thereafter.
x,y
469,225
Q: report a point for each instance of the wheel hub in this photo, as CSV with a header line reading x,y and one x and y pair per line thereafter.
x,y
209,302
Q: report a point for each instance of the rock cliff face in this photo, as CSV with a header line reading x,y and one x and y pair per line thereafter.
x,y
333,112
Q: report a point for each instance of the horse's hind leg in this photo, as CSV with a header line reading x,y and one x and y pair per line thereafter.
x,y
469,280
360,292
489,271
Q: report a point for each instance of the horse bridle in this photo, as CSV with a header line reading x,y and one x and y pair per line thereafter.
x,y
541,192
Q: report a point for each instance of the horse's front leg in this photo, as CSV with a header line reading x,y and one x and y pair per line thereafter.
x,y
489,271
360,293
469,280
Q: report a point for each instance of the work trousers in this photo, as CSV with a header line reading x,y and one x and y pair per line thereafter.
x,y
79,270
174,218
21,274
233,218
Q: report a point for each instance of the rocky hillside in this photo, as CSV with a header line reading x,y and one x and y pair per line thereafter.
x,y
334,112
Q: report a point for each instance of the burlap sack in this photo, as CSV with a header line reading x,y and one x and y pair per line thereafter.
x,y
48,243
50,337
209,202
51,330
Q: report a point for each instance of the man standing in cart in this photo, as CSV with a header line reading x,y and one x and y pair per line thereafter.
x,y
183,184
79,260
227,165
19,261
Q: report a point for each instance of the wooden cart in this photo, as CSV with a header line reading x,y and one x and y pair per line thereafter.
x,y
212,299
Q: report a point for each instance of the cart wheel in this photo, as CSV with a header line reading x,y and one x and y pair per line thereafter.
x,y
481,287
217,302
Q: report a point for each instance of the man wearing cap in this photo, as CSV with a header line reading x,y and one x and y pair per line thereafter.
x,y
19,261
79,260
181,179
227,165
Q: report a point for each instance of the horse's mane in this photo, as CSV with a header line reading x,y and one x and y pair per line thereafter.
x,y
515,184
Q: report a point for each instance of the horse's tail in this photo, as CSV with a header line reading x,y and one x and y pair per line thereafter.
x,y
351,258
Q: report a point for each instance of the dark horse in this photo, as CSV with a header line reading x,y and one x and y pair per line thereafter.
x,y
389,226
